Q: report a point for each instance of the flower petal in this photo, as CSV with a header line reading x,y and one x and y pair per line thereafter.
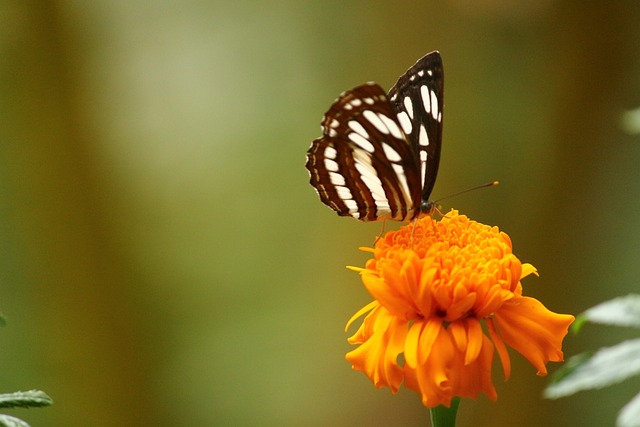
x,y
367,308
475,341
500,348
533,330
377,355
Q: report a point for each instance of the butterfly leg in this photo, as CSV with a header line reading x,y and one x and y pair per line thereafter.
x,y
436,209
413,228
381,232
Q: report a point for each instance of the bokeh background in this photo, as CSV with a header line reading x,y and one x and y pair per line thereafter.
x,y
163,260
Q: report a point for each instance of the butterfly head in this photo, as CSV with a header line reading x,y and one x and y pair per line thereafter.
x,y
427,207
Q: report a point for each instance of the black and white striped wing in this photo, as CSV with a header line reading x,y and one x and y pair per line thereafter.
x,y
417,98
359,164
373,161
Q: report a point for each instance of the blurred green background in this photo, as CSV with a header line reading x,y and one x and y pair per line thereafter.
x,y
164,260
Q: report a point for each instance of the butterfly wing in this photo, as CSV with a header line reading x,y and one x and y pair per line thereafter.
x,y
417,99
363,165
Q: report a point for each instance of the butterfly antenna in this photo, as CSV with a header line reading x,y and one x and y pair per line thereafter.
x,y
488,184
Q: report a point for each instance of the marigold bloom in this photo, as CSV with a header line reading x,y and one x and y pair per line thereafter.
x,y
447,296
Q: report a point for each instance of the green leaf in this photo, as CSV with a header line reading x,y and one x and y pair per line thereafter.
x,y
621,311
609,365
629,416
25,399
9,421
570,366
577,324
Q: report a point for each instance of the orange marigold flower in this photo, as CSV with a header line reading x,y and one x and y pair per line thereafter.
x,y
447,296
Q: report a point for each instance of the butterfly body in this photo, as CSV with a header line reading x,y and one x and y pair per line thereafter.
x,y
379,153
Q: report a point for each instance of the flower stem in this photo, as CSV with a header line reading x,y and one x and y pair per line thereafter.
x,y
441,416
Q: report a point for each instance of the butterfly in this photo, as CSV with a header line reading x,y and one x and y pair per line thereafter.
x,y
378,156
